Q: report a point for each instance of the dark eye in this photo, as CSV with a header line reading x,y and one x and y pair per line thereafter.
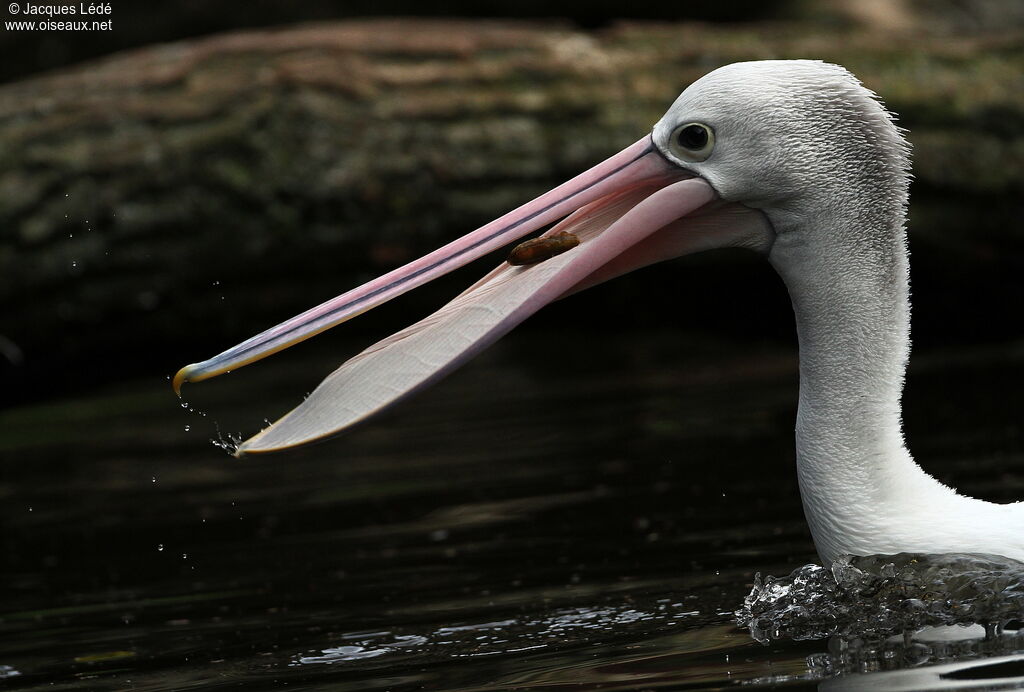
x,y
692,137
692,142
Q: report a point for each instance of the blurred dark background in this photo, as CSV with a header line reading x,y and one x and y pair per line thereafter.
x,y
205,169
139,24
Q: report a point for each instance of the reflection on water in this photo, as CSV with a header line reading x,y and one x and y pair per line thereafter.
x,y
856,655
996,673
591,521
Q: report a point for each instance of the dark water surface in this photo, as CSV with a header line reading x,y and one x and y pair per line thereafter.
x,y
586,516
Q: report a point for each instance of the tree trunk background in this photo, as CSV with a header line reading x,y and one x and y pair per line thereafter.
x,y
184,195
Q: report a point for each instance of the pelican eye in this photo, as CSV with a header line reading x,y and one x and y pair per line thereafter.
x,y
692,142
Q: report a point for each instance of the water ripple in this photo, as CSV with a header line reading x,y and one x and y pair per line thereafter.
x,y
503,636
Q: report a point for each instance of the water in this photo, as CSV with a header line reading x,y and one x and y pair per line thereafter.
x,y
586,519
876,596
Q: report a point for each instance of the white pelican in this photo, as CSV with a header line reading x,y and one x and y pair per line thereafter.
x,y
793,159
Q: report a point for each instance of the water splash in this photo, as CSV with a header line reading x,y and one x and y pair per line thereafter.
x,y
229,442
876,596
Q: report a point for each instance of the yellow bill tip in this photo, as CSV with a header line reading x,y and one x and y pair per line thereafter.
x,y
181,377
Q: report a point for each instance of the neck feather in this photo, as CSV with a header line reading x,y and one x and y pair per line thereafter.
x,y
848,276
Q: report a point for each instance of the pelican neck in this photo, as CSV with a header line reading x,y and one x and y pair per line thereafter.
x,y
848,281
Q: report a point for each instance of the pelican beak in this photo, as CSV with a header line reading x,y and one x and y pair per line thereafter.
x,y
621,214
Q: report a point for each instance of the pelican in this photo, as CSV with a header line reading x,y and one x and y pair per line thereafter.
x,y
793,159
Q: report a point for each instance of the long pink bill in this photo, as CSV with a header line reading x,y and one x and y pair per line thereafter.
x,y
426,351
636,163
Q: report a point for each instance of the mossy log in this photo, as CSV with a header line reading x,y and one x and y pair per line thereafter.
x,y
290,164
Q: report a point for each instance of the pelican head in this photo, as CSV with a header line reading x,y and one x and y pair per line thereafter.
x,y
787,137
793,159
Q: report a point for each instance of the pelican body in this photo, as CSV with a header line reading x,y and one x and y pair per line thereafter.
x,y
793,159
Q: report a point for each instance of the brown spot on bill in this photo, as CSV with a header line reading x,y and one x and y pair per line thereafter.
x,y
541,249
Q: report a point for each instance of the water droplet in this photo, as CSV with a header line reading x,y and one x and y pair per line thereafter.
x,y
186,428
154,479
74,263
160,547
